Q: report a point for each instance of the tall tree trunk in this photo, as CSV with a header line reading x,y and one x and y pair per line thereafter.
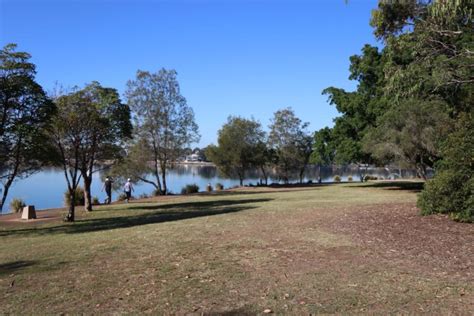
x,y
320,180
264,173
163,177
72,204
87,193
302,174
157,176
5,193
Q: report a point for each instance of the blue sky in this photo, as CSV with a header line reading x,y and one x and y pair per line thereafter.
x,y
234,57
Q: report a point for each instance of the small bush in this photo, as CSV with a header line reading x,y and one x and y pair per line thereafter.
x,y
79,197
369,177
190,188
95,200
209,188
337,178
349,178
219,186
16,205
122,197
446,194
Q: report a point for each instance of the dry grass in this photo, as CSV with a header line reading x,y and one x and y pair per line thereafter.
x,y
347,248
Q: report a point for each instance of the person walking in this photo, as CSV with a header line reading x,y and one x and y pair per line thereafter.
x,y
128,189
108,189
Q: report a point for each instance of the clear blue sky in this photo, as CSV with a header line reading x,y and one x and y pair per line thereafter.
x,y
233,57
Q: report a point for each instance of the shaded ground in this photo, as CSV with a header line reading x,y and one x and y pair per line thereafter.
x,y
342,248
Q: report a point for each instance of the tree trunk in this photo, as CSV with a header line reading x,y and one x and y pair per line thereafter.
x,y
265,176
87,193
320,180
5,193
72,203
163,177
302,175
241,179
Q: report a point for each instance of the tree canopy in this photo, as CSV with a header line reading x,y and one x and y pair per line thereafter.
x,y
240,146
90,127
25,112
164,123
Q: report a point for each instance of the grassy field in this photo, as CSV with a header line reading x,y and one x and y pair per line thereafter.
x,y
345,248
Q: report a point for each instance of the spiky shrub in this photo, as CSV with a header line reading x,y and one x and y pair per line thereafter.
x,y
190,188
337,178
95,200
122,197
349,178
79,197
16,205
219,187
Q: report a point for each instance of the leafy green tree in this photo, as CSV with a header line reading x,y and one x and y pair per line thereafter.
x,y
25,112
291,143
239,146
164,123
323,149
360,109
90,127
410,134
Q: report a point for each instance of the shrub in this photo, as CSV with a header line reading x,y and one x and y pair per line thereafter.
x,y
337,178
446,194
79,197
16,205
451,189
143,196
122,197
369,177
95,200
349,178
219,186
190,188
209,188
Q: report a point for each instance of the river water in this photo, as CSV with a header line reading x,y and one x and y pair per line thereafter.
x,y
46,189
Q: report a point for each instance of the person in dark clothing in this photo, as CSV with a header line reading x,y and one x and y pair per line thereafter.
x,y
108,189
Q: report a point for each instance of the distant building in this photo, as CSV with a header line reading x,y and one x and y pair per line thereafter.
x,y
193,158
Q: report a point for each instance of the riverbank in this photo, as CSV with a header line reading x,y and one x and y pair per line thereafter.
x,y
335,248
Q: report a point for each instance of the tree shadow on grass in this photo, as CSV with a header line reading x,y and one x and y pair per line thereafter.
x,y
162,213
199,205
415,187
10,267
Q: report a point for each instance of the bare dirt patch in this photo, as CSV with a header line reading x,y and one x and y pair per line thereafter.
x,y
397,233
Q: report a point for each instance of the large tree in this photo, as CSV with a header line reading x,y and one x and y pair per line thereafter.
x,y
25,111
430,59
360,108
239,147
291,143
89,127
410,134
164,123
